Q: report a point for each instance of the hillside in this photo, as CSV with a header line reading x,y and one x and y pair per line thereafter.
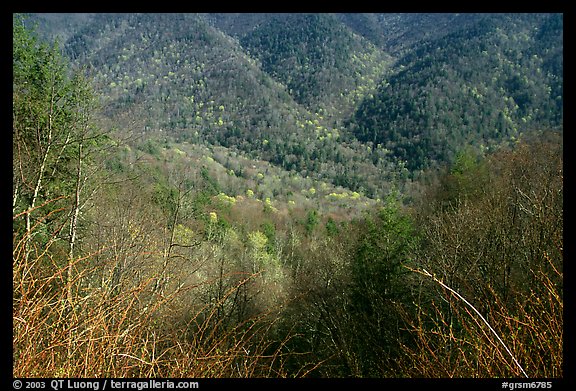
x,y
355,99
319,60
398,33
479,86
283,196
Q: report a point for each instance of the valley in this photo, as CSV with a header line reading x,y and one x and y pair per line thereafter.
x,y
223,195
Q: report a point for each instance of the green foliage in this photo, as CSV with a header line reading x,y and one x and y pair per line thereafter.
x,y
151,147
310,54
52,132
216,227
269,230
466,179
312,220
211,184
305,275
331,227
183,235
385,244
300,90
259,245
257,241
166,197
379,284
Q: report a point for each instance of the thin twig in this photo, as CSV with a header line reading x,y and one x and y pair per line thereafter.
x,y
428,274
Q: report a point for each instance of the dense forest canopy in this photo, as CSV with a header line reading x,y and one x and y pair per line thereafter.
x,y
358,100
288,195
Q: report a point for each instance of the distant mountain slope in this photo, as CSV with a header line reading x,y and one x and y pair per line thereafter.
x,y
359,100
398,32
479,85
318,59
237,24
178,76
57,26
174,71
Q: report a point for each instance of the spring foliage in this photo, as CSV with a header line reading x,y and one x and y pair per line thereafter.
x,y
196,261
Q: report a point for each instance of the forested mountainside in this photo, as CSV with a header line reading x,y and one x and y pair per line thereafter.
x,y
334,96
200,85
317,59
478,86
288,195
396,33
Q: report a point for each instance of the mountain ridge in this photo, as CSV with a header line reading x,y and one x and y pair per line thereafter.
x,y
320,93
